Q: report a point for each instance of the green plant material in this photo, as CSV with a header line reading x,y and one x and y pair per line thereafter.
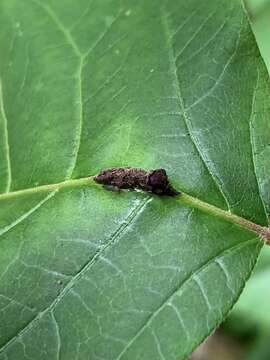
x,y
253,304
252,307
261,30
91,274
258,288
256,7
263,261
260,348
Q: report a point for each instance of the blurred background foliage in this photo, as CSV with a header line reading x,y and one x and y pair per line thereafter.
x,y
245,335
259,11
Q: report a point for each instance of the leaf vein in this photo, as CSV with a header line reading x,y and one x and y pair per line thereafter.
x,y
205,45
57,331
191,277
77,52
23,217
251,136
78,137
6,139
197,32
124,225
60,26
183,109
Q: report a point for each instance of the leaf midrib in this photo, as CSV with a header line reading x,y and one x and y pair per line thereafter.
x,y
183,198
85,181
189,200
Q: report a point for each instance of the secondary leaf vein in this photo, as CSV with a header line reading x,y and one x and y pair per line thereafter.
x,y
59,25
252,139
6,139
23,217
124,225
181,101
80,56
184,283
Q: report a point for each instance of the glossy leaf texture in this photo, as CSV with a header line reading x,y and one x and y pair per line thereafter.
x,y
85,85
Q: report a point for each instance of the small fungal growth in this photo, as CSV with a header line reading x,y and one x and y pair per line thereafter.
x,y
155,181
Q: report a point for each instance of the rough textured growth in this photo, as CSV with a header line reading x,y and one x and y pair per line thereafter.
x,y
155,181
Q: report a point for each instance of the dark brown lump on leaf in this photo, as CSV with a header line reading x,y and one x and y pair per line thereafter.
x,y
155,181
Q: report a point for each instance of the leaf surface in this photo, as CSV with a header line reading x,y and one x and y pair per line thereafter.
x,y
91,274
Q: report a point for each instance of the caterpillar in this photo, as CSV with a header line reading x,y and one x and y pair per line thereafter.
x,y
154,181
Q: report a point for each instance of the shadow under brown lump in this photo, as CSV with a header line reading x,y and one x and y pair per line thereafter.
x,y
154,181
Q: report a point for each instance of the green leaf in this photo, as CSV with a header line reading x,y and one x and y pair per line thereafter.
x,y
91,274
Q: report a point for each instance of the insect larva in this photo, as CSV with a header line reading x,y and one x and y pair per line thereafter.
x,y
155,181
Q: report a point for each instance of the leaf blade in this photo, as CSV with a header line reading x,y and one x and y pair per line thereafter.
x,y
80,267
